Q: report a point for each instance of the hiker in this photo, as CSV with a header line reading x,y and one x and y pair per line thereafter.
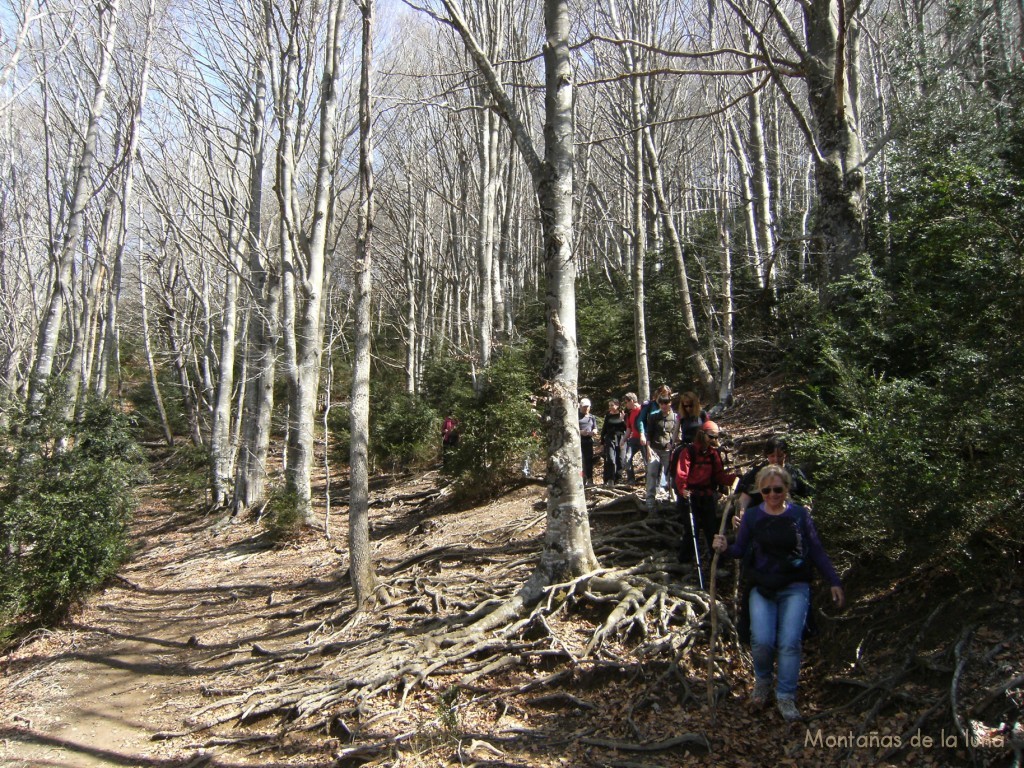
x,y
776,451
631,412
588,427
778,544
658,434
613,439
700,472
647,409
691,416
449,434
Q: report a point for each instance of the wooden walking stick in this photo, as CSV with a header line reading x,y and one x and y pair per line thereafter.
x,y
712,583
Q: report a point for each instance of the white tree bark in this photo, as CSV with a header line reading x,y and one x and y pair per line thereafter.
x,y
567,545
361,569
63,257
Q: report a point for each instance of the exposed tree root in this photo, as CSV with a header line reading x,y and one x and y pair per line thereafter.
x,y
340,674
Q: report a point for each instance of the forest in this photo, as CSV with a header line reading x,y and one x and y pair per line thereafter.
x,y
258,250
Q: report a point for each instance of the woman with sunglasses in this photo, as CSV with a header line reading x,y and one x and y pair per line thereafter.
x,y
691,417
779,543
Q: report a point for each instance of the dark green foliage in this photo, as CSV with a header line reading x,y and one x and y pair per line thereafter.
x,y
65,504
497,430
604,327
281,515
404,430
447,383
912,383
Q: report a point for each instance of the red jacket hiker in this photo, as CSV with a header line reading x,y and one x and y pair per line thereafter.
x,y
700,469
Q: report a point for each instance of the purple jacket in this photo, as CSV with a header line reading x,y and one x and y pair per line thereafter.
x,y
813,548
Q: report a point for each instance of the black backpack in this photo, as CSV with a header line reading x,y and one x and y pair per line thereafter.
x,y
796,567
781,539
677,455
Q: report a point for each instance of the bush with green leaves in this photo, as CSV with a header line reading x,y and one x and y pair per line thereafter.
x,y
281,516
497,430
404,431
66,499
912,383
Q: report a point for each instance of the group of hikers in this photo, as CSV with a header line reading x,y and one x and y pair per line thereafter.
x,y
776,540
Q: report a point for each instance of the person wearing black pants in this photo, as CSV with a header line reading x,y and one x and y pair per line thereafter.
x,y
613,439
699,474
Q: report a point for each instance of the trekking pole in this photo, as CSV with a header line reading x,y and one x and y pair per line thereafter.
x,y
693,538
714,608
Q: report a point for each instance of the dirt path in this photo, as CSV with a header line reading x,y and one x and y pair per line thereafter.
x,y
133,663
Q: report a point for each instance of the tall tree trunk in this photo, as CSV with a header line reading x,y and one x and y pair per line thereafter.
x,y
409,269
221,454
704,375
361,569
568,550
485,236
309,291
150,362
756,258
110,358
762,195
727,372
264,325
176,342
639,251
93,278
832,70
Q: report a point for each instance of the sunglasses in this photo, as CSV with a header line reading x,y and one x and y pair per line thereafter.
x,y
711,436
773,489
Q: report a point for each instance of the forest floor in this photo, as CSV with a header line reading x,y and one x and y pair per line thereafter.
x,y
133,676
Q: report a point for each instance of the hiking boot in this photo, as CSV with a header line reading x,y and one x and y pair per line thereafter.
x,y
788,710
762,690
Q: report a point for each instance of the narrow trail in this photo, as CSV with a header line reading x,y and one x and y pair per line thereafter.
x,y
117,683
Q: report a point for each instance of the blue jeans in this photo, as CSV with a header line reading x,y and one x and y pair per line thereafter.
x,y
776,629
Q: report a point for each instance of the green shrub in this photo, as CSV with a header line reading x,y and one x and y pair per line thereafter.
x,y
497,430
447,383
65,506
281,516
404,431
910,386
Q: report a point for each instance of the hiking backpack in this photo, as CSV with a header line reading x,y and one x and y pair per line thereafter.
x,y
716,461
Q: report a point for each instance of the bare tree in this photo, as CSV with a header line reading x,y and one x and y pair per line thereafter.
x,y
361,570
63,254
567,547
827,57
